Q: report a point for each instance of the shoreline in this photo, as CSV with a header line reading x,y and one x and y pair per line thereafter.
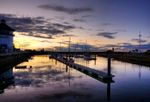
x,y
130,58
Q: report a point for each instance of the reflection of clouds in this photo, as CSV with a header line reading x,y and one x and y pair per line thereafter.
x,y
44,74
81,86
39,77
27,82
68,94
65,78
64,9
42,83
43,66
35,78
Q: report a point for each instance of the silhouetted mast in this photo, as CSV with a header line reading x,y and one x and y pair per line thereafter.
x,y
60,46
140,41
69,46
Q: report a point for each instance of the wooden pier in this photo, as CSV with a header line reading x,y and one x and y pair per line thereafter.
x,y
102,76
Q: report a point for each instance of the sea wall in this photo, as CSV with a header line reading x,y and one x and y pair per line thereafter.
x,y
11,59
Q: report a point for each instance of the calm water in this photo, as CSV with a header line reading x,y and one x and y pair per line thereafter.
x,y
47,80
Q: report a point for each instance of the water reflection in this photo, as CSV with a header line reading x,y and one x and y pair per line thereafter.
x,y
6,79
139,74
108,83
108,91
45,80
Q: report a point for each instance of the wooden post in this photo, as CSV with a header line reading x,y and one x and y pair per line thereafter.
x,y
109,66
108,92
66,68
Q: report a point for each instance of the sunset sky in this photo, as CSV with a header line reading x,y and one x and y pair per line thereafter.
x,y
98,24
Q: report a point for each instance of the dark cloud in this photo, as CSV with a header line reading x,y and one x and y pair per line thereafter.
x,y
36,26
86,16
41,36
139,40
79,20
68,35
82,18
60,8
66,22
38,35
109,35
62,26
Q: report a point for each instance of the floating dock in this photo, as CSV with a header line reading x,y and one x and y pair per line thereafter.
x,y
102,76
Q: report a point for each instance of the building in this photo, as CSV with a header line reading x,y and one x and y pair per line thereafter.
x,y
6,37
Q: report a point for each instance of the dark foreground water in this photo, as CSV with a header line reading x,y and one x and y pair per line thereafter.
x,y
47,80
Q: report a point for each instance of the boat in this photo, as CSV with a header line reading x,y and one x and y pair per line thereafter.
x,y
20,67
89,57
79,56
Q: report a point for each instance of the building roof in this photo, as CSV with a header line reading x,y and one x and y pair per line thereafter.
x,y
4,26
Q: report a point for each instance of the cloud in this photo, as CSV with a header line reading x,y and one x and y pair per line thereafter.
x,y
46,41
68,35
79,20
86,16
82,18
125,47
63,26
36,26
139,40
143,47
109,35
60,8
106,24
39,35
66,22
